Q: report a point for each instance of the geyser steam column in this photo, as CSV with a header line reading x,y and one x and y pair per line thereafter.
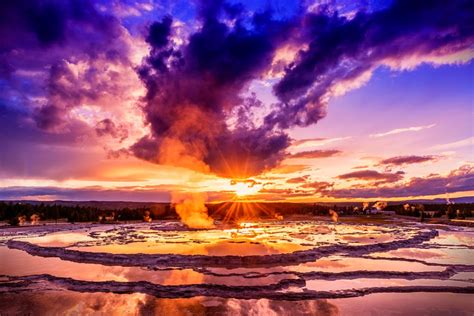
x,y
192,210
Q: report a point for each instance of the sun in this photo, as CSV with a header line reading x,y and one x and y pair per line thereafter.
x,y
245,188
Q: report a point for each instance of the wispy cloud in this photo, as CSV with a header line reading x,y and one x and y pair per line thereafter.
x,y
369,175
403,130
287,169
460,143
313,154
302,179
316,142
407,160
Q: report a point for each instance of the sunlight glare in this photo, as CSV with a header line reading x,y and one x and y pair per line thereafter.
x,y
244,189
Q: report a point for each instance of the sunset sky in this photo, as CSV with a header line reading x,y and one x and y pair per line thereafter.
x,y
270,100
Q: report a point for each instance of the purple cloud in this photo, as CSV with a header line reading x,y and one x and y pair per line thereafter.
x,y
66,69
342,52
108,127
407,160
318,186
458,180
314,154
156,194
372,175
61,53
189,128
218,60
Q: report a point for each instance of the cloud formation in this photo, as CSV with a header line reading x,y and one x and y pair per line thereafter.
x,y
302,179
454,145
85,194
80,78
108,127
314,154
458,180
210,71
318,186
315,142
372,175
407,160
218,61
403,130
68,68
343,52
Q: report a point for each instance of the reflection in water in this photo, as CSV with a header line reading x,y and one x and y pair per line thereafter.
x,y
73,303
416,265
360,283
408,304
442,256
19,263
60,239
341,264
217,248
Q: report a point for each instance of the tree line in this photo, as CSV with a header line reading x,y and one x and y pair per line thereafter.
x,y
18,212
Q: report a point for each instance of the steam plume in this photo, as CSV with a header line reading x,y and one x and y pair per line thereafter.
x,y
35,219
334,215
192,210
380,205
147,217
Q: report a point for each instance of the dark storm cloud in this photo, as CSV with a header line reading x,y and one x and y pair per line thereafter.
x,y
313,154
458,180
108,127
193,89
48,116
372,175
159,33
407,160
49,22
341,50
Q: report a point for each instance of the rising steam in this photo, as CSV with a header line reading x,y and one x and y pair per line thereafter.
x,y
380,205
147,217
334,215
35,219
192,210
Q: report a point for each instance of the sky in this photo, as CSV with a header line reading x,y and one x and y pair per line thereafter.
x,y
255,100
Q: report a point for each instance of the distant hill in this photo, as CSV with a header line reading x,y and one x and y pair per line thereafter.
x,y
465,199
